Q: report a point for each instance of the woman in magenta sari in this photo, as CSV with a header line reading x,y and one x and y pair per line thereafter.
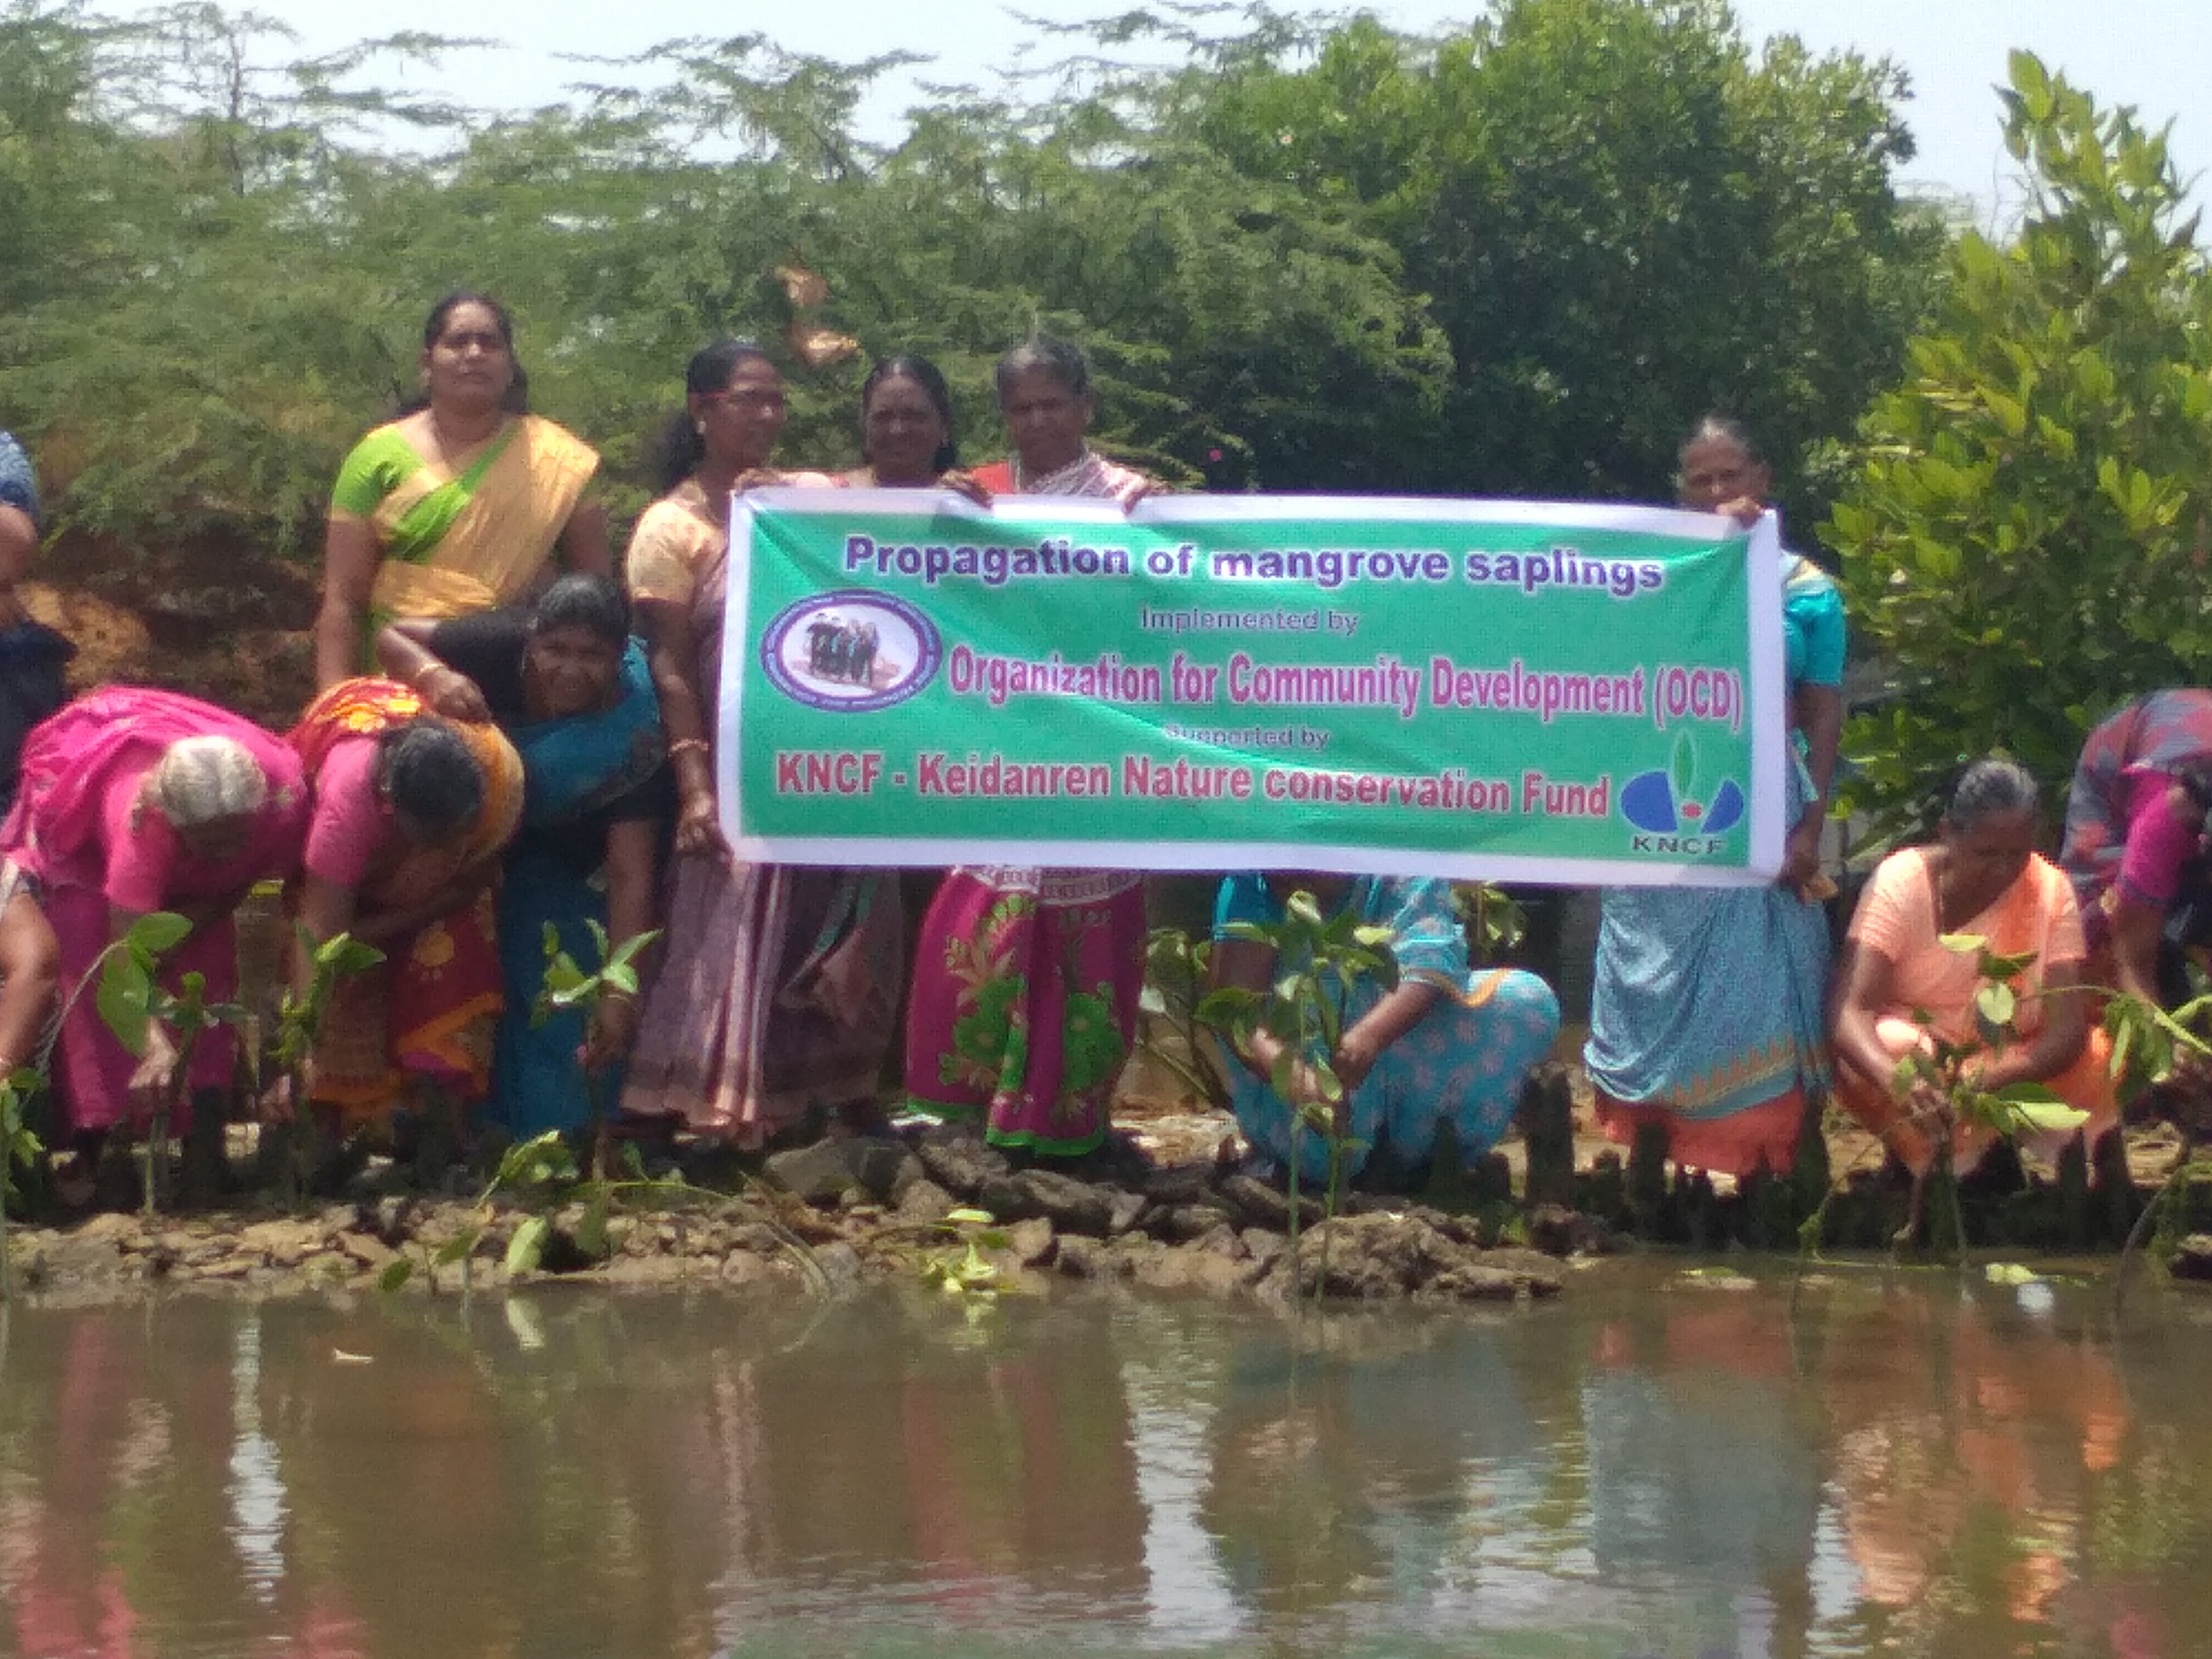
x,y
135,801
1026,980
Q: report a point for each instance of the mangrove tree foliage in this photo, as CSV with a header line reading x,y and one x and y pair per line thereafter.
x,y
2027,529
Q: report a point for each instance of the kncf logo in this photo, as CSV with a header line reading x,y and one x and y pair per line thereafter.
x,y
1667,807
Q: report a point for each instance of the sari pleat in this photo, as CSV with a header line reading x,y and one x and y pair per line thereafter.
x,y
778,983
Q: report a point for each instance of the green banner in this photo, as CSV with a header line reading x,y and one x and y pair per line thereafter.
x,y
1498,690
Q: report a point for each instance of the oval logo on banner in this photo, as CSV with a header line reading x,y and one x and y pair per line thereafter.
x,y
851,651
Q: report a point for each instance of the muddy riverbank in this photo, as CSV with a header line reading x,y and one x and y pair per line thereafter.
x,y
1165,1209
938,1206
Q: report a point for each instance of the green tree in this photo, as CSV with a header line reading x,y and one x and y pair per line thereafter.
x,y
1617,215
2027,530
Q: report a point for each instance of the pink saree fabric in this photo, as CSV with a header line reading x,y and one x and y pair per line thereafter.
x,y
80,830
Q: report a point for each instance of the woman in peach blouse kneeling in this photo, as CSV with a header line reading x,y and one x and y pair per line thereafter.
x,y
1899,987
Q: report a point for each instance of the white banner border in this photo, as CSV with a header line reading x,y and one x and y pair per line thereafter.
x,y
1768,742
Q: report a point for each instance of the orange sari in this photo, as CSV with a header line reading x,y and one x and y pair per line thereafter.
x,y
1897,916
430,1009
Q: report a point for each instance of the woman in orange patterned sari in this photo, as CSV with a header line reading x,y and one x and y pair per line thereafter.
x,y
411,812
1900,988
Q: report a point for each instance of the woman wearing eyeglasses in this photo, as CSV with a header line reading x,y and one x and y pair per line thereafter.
x,y
778,986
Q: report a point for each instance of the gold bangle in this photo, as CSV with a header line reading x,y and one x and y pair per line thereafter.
x,y
687,746
424,673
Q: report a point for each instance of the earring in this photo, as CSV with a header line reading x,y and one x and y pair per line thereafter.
x,y
699,427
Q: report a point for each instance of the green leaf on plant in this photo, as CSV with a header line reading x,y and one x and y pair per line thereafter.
x,y
2048,1117
970,1217
123,998
534,1162
345,954
527,1248
397,1271
592,1232
460,1244
1996,1004
156,932
1964,944
1225,1006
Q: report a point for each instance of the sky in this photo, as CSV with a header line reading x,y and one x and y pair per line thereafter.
x,y
2154,54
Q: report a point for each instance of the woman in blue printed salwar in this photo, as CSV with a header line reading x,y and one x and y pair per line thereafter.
x,y
1706,1017
1447,1041
573,692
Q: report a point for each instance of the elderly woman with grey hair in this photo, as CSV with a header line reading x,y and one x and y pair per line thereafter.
x,y
1899,988
135,801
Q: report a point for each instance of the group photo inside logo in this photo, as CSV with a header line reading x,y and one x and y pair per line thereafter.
x,y
854,649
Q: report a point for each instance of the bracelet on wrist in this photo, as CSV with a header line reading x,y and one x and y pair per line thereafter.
x,y
687,746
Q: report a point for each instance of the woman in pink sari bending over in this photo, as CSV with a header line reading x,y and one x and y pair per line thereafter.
x,y
135,801
1025,982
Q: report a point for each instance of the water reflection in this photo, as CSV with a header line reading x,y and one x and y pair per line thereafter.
x,y
1658,1465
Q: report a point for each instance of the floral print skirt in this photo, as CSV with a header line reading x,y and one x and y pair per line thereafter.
x,y
1024,1002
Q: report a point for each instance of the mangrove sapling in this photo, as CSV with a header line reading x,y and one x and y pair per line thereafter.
x,y
1319,962
19,1146
2148,1045
300,1013
1944,1081
1496,922
542,1167
567,987
542,1173
1175,969
132,1002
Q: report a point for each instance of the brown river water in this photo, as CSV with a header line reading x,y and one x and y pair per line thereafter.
x,y
1657,1463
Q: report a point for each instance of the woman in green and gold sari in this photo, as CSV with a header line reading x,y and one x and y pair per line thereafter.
x,y
458,506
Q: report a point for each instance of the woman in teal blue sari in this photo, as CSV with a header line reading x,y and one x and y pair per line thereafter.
x,y
570,687
1707,1016
1448,1041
